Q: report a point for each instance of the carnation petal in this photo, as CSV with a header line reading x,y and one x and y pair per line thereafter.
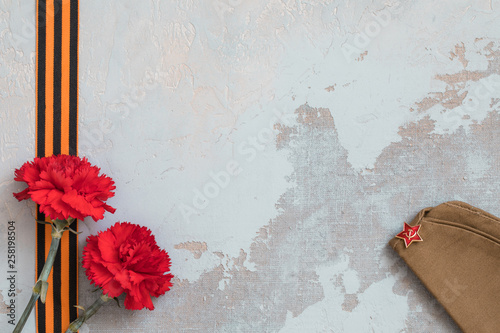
x,y
75,178
55,200
123,231
132,303
42,184
136,278
23,195
78,203
107,247
126,259
51,213
56,178
109,208
146,297
99,274
91,252
113,289
28,173
124,278
39,196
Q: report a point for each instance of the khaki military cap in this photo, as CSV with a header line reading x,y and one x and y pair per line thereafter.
x,y
454,249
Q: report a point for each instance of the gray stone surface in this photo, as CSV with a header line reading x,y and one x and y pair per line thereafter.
x,y
340,120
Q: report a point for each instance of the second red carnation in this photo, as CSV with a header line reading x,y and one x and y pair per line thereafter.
x,y
126,259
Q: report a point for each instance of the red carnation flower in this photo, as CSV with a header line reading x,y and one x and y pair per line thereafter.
x,y
66,186
126,259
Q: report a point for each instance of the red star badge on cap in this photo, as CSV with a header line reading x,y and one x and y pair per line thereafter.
x,y
410,234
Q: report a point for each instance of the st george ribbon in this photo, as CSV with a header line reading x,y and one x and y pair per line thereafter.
x,y
57,133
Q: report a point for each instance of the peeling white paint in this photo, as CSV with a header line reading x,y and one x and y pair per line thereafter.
x,y
173,94
379,309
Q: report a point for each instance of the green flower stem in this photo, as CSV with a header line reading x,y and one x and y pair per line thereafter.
x,y
40,288
75,325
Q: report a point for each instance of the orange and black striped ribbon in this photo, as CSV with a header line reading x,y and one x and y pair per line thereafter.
x,y
57,133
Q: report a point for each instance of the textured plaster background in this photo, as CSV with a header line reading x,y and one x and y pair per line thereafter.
x,y
274,147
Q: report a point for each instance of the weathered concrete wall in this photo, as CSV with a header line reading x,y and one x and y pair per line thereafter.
x,y
339,119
